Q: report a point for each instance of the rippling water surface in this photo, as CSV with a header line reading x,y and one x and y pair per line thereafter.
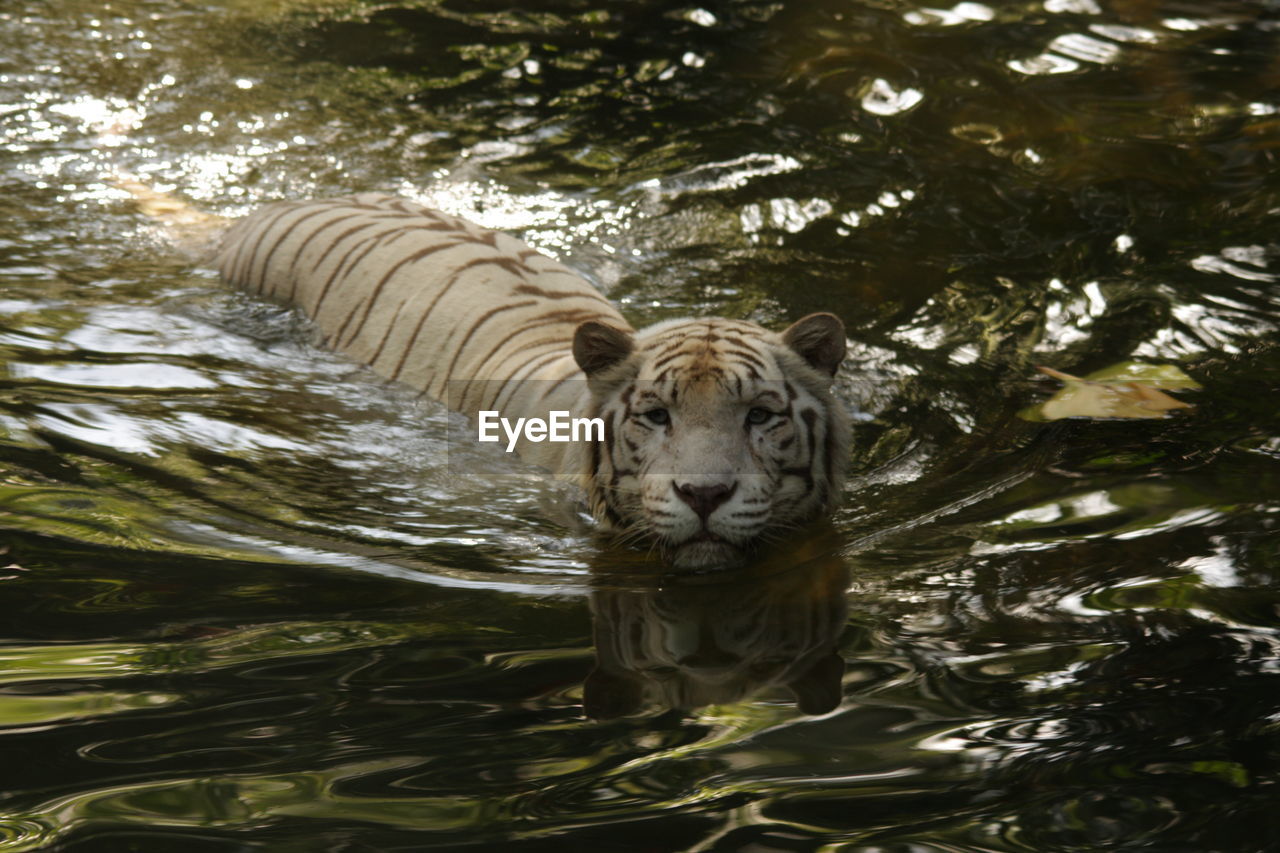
x,y
253,602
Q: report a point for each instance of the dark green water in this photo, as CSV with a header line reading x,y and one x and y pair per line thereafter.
x,y
251,603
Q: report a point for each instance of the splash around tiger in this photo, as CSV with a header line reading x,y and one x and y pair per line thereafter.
x,y
718,434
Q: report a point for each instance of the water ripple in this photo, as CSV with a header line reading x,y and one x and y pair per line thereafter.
x,y
256,599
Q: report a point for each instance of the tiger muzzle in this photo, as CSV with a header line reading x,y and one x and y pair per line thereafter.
x,y
704,499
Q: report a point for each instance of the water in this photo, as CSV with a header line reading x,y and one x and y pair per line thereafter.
x,y
251,603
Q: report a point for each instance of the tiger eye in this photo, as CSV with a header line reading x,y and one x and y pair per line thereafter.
x,y
657,416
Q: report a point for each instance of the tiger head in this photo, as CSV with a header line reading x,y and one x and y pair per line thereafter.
x,y
719,434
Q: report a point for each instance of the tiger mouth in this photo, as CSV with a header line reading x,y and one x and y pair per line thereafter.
x,y
706,550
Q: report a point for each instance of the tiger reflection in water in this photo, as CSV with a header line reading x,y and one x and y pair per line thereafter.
x,y
688,646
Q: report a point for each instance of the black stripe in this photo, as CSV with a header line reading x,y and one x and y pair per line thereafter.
x,y
534,290
801,472
488,315
382,283
280,241
246,254
422,320
669,357
536,324
737,341
745,355
337,241
370,242
337,220
532,367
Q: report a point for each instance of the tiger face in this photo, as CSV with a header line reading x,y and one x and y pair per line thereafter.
x,y
719,434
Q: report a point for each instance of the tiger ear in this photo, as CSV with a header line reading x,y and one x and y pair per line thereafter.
x,y
597,347
818,339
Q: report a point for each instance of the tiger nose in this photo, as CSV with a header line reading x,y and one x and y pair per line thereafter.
x,y
704,499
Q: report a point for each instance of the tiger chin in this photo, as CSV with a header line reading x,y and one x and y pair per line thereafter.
x,y
719,435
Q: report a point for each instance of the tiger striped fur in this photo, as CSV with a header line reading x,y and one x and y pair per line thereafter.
x,y
718,433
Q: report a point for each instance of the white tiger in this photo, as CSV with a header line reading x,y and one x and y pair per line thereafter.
x,y
719,434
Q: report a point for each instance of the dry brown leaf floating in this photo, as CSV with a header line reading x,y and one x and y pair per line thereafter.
x,y
1125,390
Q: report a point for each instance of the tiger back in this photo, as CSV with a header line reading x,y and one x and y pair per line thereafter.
x,y
468,315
